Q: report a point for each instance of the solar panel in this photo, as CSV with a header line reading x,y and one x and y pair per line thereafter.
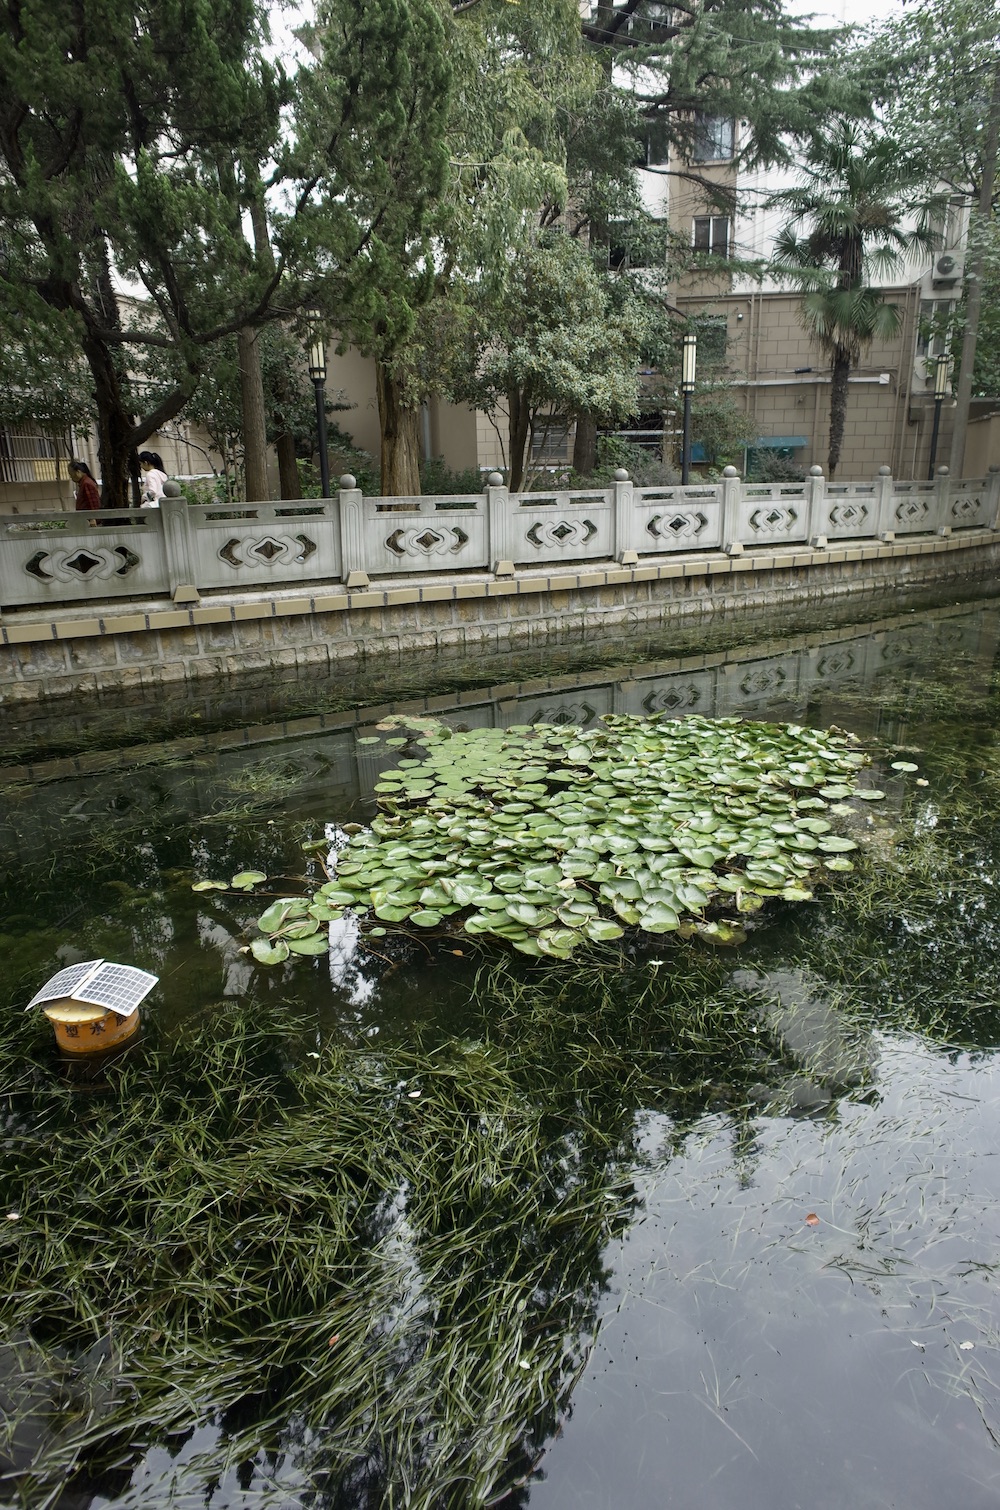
x,y
120,988
117,988
64,982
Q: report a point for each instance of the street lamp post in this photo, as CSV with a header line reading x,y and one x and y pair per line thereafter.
x,y
689,358
942,387
317,371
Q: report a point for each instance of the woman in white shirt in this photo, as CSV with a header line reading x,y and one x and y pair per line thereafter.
x,y
153,478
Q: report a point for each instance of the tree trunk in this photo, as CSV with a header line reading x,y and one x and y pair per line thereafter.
x,y
288,471
585,445
254,417
520,423
974,297
400,423
838,407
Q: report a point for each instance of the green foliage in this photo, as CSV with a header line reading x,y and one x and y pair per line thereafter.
x,y
748,61
116,158
930,70
436,477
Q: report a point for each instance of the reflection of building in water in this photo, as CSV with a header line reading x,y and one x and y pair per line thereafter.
x,y
828,1054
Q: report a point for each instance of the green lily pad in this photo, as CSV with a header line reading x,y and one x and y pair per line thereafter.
x,y
269,954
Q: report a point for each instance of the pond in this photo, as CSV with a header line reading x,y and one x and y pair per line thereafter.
x,y
430,1225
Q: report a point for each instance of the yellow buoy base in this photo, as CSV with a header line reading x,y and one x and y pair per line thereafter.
x,y
84,1029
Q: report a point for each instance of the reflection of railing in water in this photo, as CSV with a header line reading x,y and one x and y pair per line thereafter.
x,y
785,679
181,550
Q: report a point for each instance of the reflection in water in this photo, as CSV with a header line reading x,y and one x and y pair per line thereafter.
x,y
554,1219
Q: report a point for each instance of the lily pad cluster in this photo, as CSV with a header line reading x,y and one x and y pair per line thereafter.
x,y
547,837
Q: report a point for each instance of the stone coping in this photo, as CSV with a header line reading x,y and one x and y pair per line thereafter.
x,y
75,621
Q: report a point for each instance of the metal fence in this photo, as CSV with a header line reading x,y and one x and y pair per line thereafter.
x,y
181,550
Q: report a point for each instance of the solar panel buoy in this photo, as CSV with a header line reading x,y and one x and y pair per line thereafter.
x,y
94,1006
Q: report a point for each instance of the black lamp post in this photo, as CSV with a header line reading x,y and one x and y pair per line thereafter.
x,y
317,371
942,387
689,358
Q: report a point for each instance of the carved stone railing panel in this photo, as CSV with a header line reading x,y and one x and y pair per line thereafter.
x,y
562,526
73,558
773,514
913,508
262,544
402,535
676,519
849,511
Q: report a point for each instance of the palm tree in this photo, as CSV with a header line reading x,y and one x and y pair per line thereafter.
x,y
853,207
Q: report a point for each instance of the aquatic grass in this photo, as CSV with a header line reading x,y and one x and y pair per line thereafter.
x,y
329,1249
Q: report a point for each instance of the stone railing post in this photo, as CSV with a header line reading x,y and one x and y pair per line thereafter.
x,y
499,527
942,482
993,496
884,518
180,545
732,499
623,549
815,507
350,514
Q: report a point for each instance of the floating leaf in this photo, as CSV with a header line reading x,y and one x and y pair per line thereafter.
x,y
268,953
210,886
248,879
904,765
318,944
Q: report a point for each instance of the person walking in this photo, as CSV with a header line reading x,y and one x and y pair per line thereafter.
x,y
87,496
153,478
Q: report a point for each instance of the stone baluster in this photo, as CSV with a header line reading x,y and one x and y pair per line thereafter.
x,y
732,499
885,517
942,487
816,509
180,544
623,545
350,513
993,496
499,526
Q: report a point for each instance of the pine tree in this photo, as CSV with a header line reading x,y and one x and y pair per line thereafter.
x,y
135,138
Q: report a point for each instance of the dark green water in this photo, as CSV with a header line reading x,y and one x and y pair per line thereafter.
x,y
576,1270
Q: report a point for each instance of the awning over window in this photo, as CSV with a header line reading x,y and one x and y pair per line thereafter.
x,y
779,442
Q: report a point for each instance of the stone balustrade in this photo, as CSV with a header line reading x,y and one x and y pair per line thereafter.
x,y
181,551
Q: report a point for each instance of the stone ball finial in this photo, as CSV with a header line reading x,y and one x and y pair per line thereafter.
x,y
885,471
495,480
730,472
815,471
942,471
994,466
347,482
621,475
172,489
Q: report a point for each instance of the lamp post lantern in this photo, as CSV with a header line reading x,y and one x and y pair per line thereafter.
x,y
689,359
942,387
317,371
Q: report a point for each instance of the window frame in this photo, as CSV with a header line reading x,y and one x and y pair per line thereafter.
x,y
712,237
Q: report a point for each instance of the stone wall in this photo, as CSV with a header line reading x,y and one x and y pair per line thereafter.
x,y
261,635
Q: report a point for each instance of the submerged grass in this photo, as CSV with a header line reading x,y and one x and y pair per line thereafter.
x,y
287,1252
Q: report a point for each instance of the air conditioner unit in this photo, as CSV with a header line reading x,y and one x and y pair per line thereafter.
x,y
948,270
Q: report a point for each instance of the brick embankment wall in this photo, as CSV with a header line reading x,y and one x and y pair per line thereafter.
x,y
106,649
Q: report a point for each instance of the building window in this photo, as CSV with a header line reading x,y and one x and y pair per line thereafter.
x,y
934,328
713,335
28,455
711,234
549,439
713,139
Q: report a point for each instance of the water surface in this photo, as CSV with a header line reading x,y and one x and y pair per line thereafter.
x,y
672,1227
